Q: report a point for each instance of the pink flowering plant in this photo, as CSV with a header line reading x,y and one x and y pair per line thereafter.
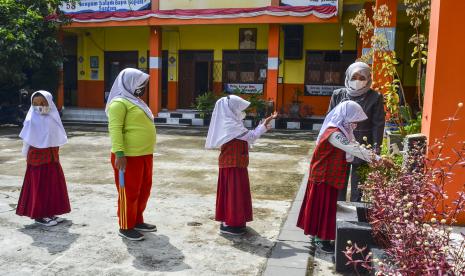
x,y
411,213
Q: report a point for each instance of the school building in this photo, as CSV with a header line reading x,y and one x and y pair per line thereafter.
x,y
276,49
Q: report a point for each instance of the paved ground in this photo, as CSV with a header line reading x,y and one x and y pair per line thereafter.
x,y
182,205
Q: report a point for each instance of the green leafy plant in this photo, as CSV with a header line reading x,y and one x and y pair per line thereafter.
x,y
387,62
365,169
205,104
414,125
257,104
30,53
419,13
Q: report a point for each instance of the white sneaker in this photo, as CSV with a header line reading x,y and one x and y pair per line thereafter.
x,y
58,219
46,222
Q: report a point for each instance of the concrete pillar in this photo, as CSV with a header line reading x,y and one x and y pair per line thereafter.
x,y
273,64
444,83
155,69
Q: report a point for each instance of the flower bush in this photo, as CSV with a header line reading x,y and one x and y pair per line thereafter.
x,y
411,213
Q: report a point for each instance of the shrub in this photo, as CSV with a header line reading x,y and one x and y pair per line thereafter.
x,y
411,215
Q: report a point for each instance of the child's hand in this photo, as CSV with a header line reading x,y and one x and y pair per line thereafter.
x,y
268,120
120,163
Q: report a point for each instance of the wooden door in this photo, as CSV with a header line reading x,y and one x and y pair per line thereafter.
x,y
195,76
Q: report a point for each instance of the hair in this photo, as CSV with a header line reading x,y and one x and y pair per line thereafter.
x,y
38,95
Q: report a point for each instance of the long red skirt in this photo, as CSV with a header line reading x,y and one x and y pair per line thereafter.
x,y
318,212
44,192
233,198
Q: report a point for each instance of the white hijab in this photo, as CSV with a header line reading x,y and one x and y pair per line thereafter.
x,y
364,70
126,83
341,117
43,131
226,123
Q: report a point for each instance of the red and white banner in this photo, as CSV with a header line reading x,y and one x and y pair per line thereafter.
x,y
324,12
300,3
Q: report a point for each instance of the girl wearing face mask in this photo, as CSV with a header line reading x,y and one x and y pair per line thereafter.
x,y
132,134
334,149
358,88
227,132
44,195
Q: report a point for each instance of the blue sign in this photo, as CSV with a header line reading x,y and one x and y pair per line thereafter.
x,y
87,6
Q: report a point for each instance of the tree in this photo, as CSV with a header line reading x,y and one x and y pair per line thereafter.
x,y
30,53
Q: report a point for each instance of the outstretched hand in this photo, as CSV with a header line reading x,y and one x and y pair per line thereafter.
x,y
268,119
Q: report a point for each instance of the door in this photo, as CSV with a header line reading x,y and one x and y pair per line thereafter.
x,y
195,76
202,78
115,62
70,72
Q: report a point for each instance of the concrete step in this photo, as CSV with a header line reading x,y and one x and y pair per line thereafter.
x,y
84,114
188,118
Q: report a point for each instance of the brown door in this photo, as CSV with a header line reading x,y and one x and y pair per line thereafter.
x,y
195,76
115,62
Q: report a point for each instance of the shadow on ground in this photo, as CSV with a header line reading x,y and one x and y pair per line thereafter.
x,y
56,239
156,253
252,242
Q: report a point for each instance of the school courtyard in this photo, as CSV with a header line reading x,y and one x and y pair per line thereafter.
x,y
182,205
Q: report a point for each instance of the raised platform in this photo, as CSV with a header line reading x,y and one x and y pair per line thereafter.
x,y
185,118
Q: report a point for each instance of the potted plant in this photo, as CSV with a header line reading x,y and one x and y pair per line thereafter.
x,y
294,109
257,108
205,104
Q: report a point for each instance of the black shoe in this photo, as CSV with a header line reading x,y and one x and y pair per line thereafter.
x,y
145,227
325,246
46,222
229,230
131,234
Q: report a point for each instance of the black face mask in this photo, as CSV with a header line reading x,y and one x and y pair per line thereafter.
x,y
139,92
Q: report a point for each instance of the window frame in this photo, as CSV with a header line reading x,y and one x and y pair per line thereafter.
x,y
258,65
345,59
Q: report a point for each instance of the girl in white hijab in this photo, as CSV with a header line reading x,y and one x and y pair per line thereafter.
x,y
328,167
44,195
227,132
357,88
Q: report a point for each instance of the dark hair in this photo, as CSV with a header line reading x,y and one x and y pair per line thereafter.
x,y
38,95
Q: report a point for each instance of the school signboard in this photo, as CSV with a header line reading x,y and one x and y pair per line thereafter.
x,y
320,90
304,3
86,6
244,88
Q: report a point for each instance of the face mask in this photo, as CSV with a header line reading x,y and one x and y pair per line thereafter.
x,y
139,92
42,110
350,126
357,84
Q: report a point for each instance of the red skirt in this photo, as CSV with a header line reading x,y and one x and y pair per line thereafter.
x,y
318,212
233,198
44,192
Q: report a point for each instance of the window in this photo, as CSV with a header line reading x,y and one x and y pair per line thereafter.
x,y
246,66
325,71
293,41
